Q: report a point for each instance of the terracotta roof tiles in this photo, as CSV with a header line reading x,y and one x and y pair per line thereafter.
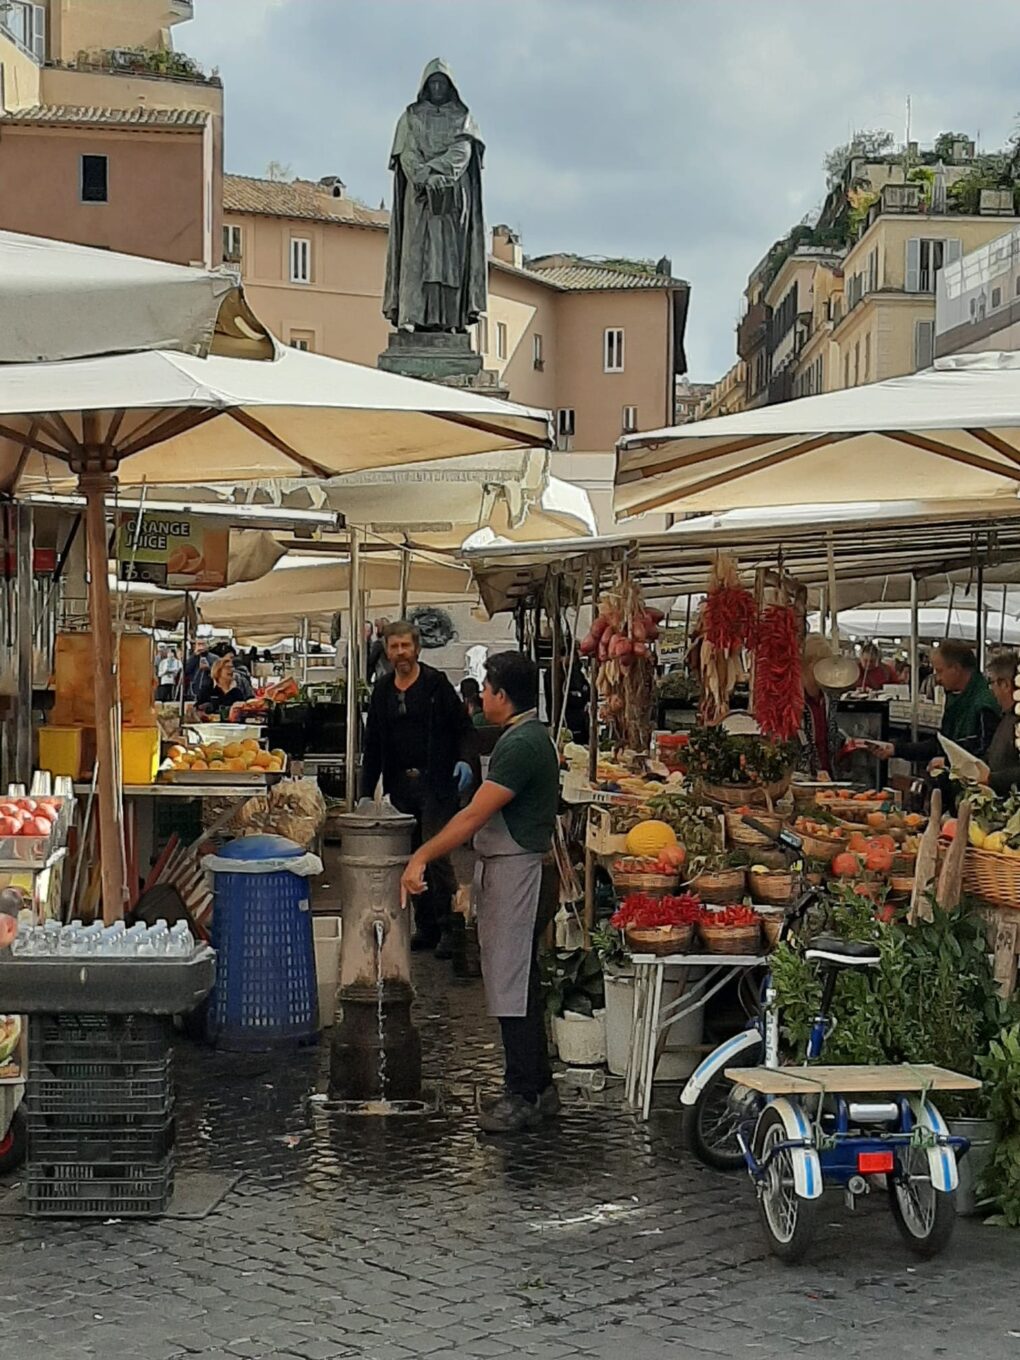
x,y
137,117
298,198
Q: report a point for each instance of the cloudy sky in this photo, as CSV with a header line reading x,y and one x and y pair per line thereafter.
x,y
690,128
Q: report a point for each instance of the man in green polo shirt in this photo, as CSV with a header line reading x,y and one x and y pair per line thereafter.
x,y
511,817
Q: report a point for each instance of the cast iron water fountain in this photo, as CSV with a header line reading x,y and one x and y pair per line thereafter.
x,y
376,1053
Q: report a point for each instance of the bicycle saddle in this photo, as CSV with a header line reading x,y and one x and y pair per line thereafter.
x,y
842,953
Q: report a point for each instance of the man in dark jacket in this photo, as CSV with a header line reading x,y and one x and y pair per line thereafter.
x,y
420,740
1002,758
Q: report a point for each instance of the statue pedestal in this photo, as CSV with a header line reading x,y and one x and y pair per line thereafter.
x,y
440,357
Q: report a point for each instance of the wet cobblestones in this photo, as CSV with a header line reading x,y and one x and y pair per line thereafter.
x,y
390,1239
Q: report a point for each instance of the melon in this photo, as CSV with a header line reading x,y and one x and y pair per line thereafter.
x,y
648,838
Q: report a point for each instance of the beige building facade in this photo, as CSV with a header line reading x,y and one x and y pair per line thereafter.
x,y
107,136
599,344
977,300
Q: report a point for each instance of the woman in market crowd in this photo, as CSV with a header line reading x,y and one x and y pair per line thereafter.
x,y
971,715
222,685
872,675
512,818
820,738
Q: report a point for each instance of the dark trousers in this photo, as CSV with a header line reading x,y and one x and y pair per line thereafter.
x,y
525,1044
431,811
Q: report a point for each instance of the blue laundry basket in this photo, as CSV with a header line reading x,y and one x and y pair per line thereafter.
x,y
265,992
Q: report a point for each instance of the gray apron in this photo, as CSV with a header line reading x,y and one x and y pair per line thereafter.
x,y
508,880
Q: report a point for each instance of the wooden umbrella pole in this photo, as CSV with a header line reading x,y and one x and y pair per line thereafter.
x,y
95,485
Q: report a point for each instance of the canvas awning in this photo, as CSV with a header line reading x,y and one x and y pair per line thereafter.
x,y
905,539
64,301
164,419
951,433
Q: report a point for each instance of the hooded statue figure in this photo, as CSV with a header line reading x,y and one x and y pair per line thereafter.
x,y
436,277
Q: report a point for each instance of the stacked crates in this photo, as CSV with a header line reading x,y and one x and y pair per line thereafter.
x,y
99,1105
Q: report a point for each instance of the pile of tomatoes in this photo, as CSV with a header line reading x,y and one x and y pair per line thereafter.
x,y
668,862
28,816
731,918
873,854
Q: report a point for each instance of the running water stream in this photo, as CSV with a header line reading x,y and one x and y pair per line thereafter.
x,y
380,931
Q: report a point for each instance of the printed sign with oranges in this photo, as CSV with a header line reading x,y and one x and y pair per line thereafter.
x,y
184,552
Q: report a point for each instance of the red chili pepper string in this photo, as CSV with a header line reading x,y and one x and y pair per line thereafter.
x,y
729,618
778,687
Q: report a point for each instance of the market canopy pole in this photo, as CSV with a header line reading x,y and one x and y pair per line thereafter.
x,y
95,468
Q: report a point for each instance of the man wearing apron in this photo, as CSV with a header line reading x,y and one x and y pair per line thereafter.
x,y
511,817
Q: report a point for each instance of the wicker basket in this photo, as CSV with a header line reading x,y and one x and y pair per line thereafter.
x,y
739,834
771,859
730,939
720,888
656,885
852,812
901,884
816,847
774,889
771,924
754,795
904,863
993,877
659,939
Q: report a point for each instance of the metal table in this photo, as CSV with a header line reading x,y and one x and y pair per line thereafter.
x,y
651,1019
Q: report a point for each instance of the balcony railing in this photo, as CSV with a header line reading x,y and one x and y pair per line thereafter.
x,y
143,62
752,330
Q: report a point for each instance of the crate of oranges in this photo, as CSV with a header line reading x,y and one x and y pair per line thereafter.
x,y
232,762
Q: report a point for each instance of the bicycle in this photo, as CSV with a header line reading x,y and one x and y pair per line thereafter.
x,y
757,1116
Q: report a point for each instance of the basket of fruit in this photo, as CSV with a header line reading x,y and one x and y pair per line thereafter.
x,y
771,886
720,883
657,925
737,769
822,840
235,762
634,873
771,923
731,930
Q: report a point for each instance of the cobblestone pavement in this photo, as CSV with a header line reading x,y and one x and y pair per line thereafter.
x,y
388,1239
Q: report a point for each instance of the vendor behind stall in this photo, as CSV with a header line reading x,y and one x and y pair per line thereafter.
x,y
872,674
221,686
820,738
1002,757
971,714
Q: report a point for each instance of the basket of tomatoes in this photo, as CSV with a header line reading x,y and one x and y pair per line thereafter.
x,y
656,874
731,930
657,925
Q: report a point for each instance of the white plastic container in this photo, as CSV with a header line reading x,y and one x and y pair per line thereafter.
x,y
580,1039
680,1056
326,937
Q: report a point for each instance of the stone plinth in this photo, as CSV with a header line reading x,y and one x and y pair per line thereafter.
x,y
437,356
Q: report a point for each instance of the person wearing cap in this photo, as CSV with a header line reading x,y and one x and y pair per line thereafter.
x,y
820,738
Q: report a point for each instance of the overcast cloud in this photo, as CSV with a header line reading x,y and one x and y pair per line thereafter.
x,y
690,128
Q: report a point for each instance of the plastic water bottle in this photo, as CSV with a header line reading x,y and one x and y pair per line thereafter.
x,y
181,944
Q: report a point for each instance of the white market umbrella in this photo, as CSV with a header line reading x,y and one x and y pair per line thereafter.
x,y
160,418
933,624
949,433
64,301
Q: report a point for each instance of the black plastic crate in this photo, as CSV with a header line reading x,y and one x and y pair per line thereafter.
x,y
93,1066
106,1038
145,1090
77,1191
79,1123
51,1144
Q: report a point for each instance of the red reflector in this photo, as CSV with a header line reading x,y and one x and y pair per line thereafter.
x,y
872,1163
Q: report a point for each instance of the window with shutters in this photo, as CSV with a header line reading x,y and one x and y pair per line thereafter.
x,y
867,357
873,271
629,423
302,340
924,344
925,257
846,369
564,427
996,298
501,340
482,335
612,350
300,260
232,244
95,179
537,354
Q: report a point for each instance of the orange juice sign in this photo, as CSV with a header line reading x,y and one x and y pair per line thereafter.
x,y
184,552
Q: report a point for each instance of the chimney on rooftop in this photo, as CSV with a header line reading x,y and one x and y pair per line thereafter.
x,y
334,185
665,266
506,246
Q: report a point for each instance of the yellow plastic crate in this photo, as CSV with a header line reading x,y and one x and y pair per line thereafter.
x,y
139,754
62,750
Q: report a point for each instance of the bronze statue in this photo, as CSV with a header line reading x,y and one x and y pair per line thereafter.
x,y
436,277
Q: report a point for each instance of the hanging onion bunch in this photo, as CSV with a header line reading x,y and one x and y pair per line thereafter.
x,y
621,642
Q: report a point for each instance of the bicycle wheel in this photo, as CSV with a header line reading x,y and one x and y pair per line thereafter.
x,y
710,1125
924,1216
788,1220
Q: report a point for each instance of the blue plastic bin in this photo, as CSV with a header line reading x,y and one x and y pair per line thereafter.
x,y
265,992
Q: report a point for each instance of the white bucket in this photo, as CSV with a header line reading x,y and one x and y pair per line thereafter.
x,y
580,1039
681,1054
326,937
